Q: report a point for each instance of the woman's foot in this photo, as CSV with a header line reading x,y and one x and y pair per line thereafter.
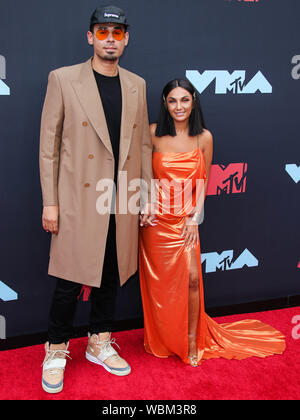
x,y
193,350
193,360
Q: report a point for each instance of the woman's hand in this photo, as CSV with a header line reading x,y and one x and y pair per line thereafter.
x,y
147,216
190,232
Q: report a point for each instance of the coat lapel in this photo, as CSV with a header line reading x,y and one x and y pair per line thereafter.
x,y
88,94
129,109
87,91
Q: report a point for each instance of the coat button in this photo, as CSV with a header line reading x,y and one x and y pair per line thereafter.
x,y
134,125
84,123
128,157
87,185
91,156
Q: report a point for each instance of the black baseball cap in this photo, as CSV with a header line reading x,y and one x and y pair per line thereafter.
x,y
109,14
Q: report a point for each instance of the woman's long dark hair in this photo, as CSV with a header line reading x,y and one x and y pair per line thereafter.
x,y
165,124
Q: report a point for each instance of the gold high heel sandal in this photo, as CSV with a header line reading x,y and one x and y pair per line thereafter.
x,y
193,360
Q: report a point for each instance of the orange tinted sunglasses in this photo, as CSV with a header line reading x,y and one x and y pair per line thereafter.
x,y
102,34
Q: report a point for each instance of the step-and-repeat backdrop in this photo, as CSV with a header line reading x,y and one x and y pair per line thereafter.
x,y
243,56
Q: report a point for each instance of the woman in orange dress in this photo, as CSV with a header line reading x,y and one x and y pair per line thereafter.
x,y
175,322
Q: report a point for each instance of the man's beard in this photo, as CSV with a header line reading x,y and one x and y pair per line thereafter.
x,y
109,57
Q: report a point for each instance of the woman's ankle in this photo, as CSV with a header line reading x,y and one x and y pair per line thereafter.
x,y
192,344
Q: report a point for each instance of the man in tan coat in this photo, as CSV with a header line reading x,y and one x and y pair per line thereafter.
x,y
94,129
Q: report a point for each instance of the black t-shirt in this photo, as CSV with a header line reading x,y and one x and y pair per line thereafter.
x,y
111,97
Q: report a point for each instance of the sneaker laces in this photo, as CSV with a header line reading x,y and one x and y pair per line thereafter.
x,y
105,344
53,354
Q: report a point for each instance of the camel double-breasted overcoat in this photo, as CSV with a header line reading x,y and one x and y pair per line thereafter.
x,y
76,156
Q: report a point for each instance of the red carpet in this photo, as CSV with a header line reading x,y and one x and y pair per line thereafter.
x,y
273,378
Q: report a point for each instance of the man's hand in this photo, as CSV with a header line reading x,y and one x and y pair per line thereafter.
x,y
147,216
50,219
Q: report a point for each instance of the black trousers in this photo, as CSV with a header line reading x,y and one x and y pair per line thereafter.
x,y
103,299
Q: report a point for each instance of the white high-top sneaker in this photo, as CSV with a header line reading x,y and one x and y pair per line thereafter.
x,y
100,351
53,368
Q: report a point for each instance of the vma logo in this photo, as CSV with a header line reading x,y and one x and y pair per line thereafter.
x,y
6,293
224,261
227,179
229,82
294,171
4,89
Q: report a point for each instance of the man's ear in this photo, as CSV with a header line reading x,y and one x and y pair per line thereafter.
x,y
126,38
90,38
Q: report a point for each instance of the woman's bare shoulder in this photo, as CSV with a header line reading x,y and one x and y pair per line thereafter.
x,y
206,141
207,136
153,129
153,135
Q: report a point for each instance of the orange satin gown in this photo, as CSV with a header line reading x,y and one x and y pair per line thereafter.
x,y
164,263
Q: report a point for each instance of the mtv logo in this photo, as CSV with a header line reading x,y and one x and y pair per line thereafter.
x,y
6,293
4,89
226,82
224,261
294,171
227,179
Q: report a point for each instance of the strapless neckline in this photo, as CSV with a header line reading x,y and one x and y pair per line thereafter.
x,y
178,153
